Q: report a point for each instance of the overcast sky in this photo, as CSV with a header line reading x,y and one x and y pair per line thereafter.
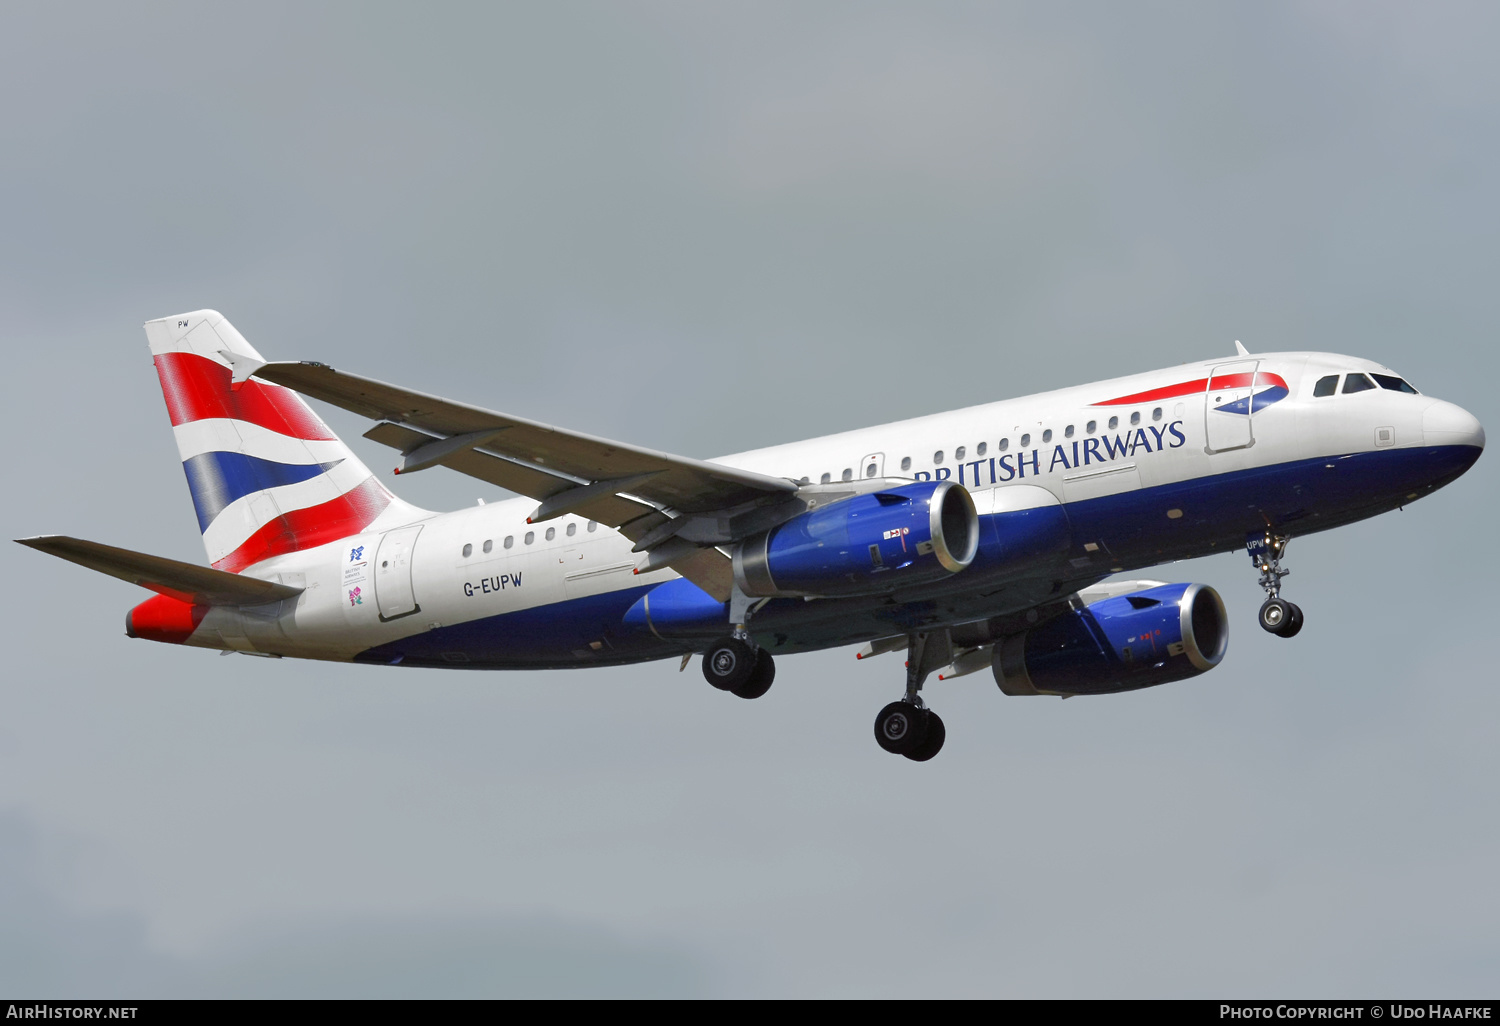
x,y
705,228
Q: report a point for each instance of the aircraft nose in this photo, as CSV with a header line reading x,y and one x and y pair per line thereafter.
x,y
1447,424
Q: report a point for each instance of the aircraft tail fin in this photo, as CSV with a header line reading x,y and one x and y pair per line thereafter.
x,y
267,476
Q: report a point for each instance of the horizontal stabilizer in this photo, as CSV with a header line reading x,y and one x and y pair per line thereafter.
x,y
186,582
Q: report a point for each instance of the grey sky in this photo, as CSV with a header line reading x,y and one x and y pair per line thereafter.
x,y
706,228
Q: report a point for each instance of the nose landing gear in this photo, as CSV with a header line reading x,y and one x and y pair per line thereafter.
x,y
907,727
1277,615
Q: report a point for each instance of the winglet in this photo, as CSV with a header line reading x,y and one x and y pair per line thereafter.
x,y
241,367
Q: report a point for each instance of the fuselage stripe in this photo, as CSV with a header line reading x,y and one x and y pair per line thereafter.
x,y
1197,387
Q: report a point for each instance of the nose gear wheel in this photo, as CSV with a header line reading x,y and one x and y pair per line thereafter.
x,y
1277,615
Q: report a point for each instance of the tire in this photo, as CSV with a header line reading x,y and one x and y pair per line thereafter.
x,y
728,664
901,727
933,742
760,678
1294,624
1274,616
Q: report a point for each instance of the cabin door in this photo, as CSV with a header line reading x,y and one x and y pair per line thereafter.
x,y
1227,406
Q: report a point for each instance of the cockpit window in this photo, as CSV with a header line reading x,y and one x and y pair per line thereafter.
x,y
1395,384
1356,383
1326,386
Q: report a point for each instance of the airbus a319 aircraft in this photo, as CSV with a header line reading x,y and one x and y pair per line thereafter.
x,y
980,539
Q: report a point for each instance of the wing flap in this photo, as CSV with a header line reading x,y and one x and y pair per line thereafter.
x,y
186,582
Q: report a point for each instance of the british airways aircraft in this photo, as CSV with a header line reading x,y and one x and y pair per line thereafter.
x,y
982,538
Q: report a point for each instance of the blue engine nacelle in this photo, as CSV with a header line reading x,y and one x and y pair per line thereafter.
x,y
1148,637
870,544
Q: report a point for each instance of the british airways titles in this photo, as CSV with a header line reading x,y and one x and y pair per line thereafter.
x,y
1080,452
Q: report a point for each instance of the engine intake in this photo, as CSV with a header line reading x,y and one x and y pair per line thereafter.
x,y
1149,637
870,544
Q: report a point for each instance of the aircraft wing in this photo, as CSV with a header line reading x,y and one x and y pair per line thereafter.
x,y
637,490
184,581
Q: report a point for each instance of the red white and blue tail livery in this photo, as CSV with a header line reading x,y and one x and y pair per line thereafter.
x,y
986,538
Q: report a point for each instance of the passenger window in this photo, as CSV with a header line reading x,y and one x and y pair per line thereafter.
x,y
981,448
593,526
572,530
1135,418
530,537
825,479
1326,386
870,470
804,479
1068,431
1047,435
468,550
1025,440
958,453
510,540
1356,383
551,533
1114,422
1394,384
848,474
1004,444
489,545
937,457
1156,413
906,463
1090,426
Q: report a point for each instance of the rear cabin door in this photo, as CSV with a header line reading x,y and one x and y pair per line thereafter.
x,y
1227,406
393,589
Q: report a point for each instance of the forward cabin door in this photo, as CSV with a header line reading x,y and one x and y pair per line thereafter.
x,y
393,589
1227,406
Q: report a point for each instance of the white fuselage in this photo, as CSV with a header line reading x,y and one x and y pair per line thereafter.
x,y
1070,446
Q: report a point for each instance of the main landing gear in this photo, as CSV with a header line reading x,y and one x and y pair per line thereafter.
x,y
1277,615
738,666
908,727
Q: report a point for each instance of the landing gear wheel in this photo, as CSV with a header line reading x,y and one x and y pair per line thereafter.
x,y
760,677
901,727
932,743
1276,616
729,663
1295,623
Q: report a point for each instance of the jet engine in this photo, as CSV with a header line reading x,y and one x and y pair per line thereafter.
x,y
870,544
1121,643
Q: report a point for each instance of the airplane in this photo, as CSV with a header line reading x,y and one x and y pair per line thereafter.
x,y
985,538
